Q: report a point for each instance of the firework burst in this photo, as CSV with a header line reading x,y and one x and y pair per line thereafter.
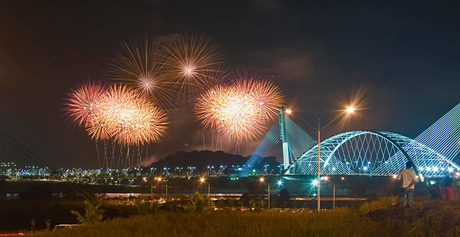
x,y
141,65
116,112
130,118
267,95
148,126
82,103
189,60
239,111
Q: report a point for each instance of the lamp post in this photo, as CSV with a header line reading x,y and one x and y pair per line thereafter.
x,y
166,182
202,180
348,110
333,196
333,192
268,192
161,187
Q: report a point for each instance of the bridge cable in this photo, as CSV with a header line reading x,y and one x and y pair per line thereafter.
x,y
29,154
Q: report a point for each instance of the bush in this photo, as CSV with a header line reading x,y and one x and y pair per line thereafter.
x,y
144,207
198,204
92,214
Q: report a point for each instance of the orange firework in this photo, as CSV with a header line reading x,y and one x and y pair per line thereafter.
x,y
148,125
128,117
266,94
141,65
83,103
189,60
239,111
98,128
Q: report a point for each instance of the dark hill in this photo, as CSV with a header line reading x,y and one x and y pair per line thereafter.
x,y
204,161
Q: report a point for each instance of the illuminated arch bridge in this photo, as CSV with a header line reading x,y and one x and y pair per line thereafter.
x,y
364,152
370,153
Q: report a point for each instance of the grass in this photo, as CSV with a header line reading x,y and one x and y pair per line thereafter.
x,y
377,218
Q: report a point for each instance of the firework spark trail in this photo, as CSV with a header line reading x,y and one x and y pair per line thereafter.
x,y
189,59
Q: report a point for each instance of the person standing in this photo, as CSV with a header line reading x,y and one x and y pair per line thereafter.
x,y
408,178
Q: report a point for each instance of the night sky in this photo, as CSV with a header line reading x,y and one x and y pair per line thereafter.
x,y
401,56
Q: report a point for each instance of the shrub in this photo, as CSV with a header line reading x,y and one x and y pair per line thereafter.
x,y
92,214
199,204
144,207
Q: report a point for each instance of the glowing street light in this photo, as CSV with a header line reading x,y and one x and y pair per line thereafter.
x,y
350,110
315,182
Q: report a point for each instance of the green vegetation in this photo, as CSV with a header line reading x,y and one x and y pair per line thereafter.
x,y
377,218
144,207
198,204
92,215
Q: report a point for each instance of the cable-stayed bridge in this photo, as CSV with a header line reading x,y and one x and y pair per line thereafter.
x,y
379,153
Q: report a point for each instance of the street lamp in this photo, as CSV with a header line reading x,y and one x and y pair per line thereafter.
x,y
333,191
202,180
166,181
268,191
348,110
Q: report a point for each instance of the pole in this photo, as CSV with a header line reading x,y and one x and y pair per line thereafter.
x,y
333,196
166,190
161,184
268,198
209,191
151,187
319,169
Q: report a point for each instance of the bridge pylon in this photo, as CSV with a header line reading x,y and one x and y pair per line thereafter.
x,y
285,140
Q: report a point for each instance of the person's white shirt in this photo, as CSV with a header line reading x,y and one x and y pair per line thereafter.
x,y
407,176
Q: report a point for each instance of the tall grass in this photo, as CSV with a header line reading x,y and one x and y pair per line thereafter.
x,y
377,218
343,222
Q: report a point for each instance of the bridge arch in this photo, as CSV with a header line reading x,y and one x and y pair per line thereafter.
x,y
368,153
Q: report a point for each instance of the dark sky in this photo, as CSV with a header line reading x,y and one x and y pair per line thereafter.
x,y
403,56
